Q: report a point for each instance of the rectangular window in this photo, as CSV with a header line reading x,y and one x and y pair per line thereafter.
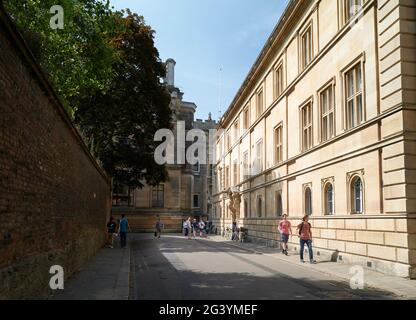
x,y
278,144
245,165
327,113
278,81
236,132
227,141
306,120
351,8
259,157
354,96
235,172
195,201
227,176
158,195
246,118
306,47
259,102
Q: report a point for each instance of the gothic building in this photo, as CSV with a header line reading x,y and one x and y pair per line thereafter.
x,y
187,193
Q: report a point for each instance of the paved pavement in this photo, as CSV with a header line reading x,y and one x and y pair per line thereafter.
x,y
175,268
104,277
401,287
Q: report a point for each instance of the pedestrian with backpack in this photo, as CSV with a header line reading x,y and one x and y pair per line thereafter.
x,y
305,235
201,226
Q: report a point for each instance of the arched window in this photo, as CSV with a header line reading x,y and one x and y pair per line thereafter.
x,y
329,199
279,204
357,199
259,206
308,201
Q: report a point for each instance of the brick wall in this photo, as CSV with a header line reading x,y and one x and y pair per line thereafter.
x,y
54,198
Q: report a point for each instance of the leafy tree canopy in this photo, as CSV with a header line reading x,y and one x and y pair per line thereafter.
x,y
106,69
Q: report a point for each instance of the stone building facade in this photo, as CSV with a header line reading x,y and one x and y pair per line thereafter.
x,y
325,125
189,187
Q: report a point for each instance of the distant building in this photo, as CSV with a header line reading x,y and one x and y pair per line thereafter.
x,y
325,125
188,192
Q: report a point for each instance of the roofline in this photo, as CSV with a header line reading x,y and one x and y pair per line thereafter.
x,y
290,8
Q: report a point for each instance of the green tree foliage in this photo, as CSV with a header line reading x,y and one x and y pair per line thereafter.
x,y
106,69
77,57
121,122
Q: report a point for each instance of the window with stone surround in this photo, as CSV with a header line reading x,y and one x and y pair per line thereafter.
x,y
258,162
195,201
278,81
278,144
350,9
236,131
354,102
306,51
235,173
259,206
279,203
357,192
158,196
227,141
246,171
259,103
355,187
306,126
307,199
245,208
246,118
329,199
227,177
327,112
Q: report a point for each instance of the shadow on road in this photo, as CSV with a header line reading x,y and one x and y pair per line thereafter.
x,y
175,268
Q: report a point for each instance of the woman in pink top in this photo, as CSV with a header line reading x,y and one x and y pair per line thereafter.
x,y
284,229
305,233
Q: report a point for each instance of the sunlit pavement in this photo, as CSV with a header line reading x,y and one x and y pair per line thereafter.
x,y
175,267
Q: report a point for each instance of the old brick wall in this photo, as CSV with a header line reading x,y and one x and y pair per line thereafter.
x,y
54,198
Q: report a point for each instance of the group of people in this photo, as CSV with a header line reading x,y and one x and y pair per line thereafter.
x,y
192,227
304,230
115,230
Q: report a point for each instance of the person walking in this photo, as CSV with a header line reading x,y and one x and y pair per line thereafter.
x,y
122,230
305,235
234,231
194,227
285,229
111,232
158,227
185,230
201,226
188,228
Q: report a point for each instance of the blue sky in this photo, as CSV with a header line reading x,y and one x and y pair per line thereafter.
x,y
204,36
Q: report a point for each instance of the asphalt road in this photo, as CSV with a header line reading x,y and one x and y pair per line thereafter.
x,y
175,268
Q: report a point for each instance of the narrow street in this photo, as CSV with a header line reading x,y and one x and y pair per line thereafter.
x,y
175,268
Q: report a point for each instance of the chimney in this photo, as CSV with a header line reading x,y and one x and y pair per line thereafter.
x,y
170,72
